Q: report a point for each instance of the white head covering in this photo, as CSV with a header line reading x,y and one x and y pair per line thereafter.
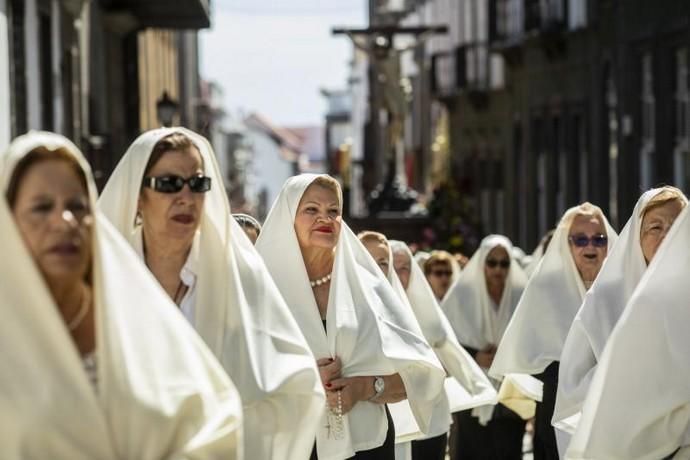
x,y
369,329
477,324
439,333
638,404
471,388
602,306
536,257
534,339
160,392
468,305
239,312
519,255
421,257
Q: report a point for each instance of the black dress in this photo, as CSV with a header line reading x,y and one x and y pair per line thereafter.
x,y
499,439
545,447
430,449
386,451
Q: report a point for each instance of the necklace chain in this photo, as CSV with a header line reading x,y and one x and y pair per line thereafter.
x,y
81,314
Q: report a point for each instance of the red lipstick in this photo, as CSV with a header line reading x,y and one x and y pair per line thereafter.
x,y
324,229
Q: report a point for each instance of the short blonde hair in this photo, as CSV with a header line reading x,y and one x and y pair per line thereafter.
x,y
667,194
436,258
329,183
368,235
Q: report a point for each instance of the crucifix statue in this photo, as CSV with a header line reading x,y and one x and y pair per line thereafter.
x,y
378,43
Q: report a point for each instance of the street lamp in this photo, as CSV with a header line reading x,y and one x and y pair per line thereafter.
x,y
166,108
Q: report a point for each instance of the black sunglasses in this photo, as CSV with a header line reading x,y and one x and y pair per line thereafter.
x,y
173,184
440,273
493,263
582,241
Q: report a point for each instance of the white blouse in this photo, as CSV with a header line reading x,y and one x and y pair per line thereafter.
x,y
188,275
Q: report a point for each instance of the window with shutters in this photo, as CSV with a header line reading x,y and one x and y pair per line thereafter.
x,y
18,103
648,122
682,120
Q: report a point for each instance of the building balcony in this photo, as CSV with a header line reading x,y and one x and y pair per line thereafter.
x,y
512,22
185,14
465,70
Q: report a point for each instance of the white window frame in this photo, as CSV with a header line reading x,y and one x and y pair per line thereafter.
x,y
577,14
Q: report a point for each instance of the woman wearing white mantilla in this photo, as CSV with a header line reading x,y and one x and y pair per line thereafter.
x,y
96,364
479,306
370,349
652,218
166,197
467,386
638,403
533,341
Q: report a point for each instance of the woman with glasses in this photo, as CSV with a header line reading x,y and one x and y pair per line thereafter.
x,y
533,341
166,197
652,218
638,403
96,364
440,272
479,307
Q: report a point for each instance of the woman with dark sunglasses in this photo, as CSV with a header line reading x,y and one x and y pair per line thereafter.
x,y
479,307
638,403
167,198
534,339
653,216
440,272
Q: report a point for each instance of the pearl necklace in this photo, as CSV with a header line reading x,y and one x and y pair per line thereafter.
x,y
320,281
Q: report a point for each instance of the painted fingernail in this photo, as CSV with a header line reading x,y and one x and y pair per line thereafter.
x,y
328,385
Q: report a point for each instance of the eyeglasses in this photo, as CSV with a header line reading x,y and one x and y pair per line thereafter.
x,y
173,184
441,273
582,241
493,263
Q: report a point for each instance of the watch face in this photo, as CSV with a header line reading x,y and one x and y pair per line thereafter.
x,y
379,385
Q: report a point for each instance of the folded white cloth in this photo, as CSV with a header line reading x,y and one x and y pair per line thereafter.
x,y
638,404
239,312
467,385
536,333
368,327
474,317
599,313
160,392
